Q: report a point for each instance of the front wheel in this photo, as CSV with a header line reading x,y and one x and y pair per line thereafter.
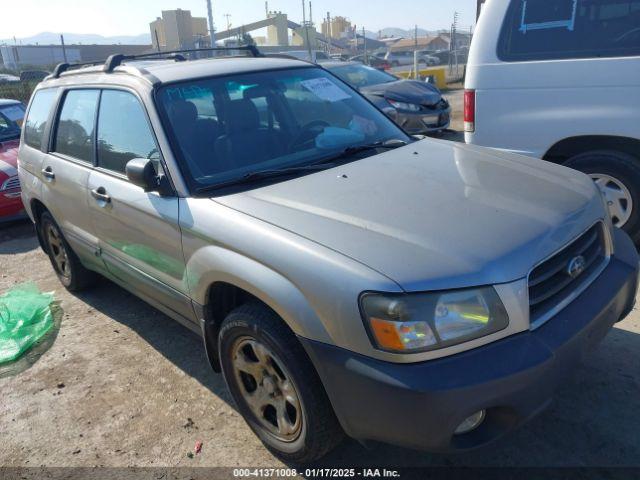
x,y
617,175
275,386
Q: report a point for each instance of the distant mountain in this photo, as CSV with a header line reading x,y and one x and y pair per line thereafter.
x,y
49,38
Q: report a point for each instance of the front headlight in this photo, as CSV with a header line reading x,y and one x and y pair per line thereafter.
x,y
411,107
407,323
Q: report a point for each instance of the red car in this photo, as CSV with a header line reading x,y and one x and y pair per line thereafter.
x,y
11,117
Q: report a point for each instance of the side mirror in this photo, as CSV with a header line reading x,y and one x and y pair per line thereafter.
x,y
141,172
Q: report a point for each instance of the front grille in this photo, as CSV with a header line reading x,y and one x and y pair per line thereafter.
x,y
550,283
440,105
13,182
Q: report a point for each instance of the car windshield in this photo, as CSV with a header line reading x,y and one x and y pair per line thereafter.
x,y
11,118
225,128
361,75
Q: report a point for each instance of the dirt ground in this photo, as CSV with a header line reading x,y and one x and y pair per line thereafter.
x,y
123,385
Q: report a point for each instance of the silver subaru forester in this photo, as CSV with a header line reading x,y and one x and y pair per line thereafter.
x,y
345,277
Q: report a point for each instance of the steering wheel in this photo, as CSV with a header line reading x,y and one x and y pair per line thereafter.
x,y
307,134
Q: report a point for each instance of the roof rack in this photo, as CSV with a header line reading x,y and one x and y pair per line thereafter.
x,y
116,60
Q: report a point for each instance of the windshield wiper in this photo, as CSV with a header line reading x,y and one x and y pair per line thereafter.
x,y
261,174
349,151
314,167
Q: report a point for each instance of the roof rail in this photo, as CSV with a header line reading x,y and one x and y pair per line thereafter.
x,y
116,60
63,67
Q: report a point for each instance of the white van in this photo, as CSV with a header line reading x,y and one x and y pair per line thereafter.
x,y
560,80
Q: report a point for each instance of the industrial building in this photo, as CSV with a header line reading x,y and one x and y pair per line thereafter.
x,y
178,30
15,57
336,27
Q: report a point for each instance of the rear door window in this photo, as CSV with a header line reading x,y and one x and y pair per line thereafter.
x,y
561,29
75,129
36,121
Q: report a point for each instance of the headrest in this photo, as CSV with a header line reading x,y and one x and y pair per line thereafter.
x,y
242,115
183,112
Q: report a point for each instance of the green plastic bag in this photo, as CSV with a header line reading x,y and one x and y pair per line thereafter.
x,y
25,317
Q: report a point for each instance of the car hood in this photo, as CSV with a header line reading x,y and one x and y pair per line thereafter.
x,y
9,158
410,91
434,214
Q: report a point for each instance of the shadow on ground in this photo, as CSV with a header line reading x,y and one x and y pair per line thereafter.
x,y
17,237
176,343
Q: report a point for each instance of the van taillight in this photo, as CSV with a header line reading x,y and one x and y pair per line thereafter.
x,y
469,110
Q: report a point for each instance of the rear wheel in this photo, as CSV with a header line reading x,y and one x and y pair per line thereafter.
x,y
617,175
71,273
275,386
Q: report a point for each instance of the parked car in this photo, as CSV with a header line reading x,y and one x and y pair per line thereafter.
x,y
316,55
567,92
342,57
344,277
418,107
372,61
11,117
398,59
448,56
426,57
33,75
7,78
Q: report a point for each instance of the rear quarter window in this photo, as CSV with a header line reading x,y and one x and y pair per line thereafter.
x,y
564,29
36,122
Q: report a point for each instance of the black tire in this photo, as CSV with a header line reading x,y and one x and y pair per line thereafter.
x,y
319,431
625,169
75,277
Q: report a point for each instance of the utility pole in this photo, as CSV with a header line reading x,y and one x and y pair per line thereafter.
x,y
415,53
64,50
454,41
212,29
364,47
226,15
305,26
329,32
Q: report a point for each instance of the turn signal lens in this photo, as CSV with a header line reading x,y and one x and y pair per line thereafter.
x,y
427,321
402,335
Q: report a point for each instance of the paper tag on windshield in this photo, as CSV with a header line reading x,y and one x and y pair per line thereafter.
x,y
325,89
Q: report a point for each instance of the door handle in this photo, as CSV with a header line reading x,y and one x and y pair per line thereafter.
x,y
48,173
100,194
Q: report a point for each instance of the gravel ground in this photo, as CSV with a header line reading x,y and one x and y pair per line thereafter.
x,y
123,385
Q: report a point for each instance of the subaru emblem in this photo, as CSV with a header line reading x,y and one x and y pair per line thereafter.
x,y
576,266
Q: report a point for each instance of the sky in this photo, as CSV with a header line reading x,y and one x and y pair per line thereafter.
x,y
23,18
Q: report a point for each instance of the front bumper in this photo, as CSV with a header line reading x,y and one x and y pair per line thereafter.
x,y
11,207
420,405
424,122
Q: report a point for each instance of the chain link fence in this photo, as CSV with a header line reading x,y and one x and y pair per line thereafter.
x,y
17,90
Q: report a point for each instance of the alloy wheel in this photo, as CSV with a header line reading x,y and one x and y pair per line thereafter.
x,y
617,196
58,251
267,389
